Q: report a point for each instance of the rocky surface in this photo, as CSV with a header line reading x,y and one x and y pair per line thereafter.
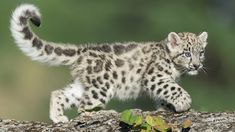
x,y
108,120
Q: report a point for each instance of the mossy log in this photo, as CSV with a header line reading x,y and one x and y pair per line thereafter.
x,y
109,120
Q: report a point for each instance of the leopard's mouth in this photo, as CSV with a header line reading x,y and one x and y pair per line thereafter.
x,y
192,72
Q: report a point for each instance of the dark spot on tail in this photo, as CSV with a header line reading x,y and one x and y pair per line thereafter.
x,y
37,43
69,52
49,49
28,13
27,33
23,20
104,48
36,21
58,51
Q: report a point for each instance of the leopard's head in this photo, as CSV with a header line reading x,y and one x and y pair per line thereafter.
x,y
187,51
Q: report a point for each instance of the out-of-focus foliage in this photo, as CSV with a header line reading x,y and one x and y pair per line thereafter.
x,y
25,85
145,124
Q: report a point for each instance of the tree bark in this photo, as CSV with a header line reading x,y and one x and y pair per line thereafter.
x,y
109,120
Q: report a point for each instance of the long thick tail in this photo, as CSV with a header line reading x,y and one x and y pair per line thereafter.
x,y
32,45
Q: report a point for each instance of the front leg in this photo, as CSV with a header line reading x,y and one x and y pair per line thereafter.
x,y
168,93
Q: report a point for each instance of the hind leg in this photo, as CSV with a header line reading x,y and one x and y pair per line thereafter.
x,y
64,99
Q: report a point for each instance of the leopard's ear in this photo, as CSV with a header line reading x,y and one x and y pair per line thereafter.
x,y
203,37
173,41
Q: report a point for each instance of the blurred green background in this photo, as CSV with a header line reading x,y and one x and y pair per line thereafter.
x,y
25,85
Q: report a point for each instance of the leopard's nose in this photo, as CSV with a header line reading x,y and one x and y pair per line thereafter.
x,y
196,66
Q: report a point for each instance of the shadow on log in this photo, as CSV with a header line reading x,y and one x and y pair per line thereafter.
x,y
109,120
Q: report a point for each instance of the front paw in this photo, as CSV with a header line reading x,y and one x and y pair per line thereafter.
x,y
179,103
182,103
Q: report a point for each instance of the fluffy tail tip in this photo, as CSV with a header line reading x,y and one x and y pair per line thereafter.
x,y
28,11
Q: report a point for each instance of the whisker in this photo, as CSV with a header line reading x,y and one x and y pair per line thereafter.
x,y
204,70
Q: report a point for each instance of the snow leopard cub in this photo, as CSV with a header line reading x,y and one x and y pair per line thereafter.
x,y
122,70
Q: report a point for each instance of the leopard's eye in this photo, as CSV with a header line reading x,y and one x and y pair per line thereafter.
x,y
187,54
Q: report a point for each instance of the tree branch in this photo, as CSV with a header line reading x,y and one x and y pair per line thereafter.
x,y
108,120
